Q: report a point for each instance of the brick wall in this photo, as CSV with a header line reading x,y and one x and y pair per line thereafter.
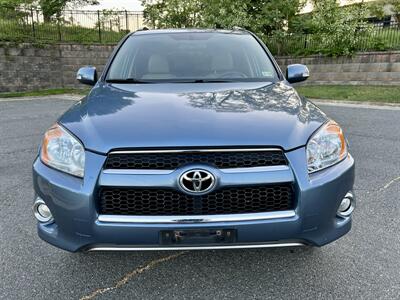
x,y
26,67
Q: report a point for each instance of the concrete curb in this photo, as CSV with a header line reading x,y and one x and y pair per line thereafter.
x,y
357,104
70,97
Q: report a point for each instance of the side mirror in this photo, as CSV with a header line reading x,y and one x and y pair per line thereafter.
x,y
297,73
87,75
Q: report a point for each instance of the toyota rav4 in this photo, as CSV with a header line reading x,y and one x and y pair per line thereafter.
x,y
192,139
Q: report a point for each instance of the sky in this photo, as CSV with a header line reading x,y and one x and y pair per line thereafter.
x,y
130,5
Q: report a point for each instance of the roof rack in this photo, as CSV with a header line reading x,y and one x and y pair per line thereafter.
x,y
238,28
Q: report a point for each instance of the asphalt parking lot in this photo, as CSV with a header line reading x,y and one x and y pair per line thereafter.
x,y
364,264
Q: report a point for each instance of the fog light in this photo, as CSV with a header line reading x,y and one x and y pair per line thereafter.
x,y
346,207
42,211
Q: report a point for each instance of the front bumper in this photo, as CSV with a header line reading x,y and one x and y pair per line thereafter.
x,y
77,225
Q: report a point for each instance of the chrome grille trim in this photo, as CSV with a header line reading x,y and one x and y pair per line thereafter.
x,y
194,150
172,248
197,218
166,172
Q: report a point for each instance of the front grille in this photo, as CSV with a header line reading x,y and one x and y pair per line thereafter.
x,y
164,202
171,161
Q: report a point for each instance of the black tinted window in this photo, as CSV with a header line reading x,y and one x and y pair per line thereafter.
x,y
192,56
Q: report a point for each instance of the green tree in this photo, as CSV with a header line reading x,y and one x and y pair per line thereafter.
x,y
273,16
381,8
53,8
10,9
50,8
12,4
224,14
395,8
338,30
172,13
261,16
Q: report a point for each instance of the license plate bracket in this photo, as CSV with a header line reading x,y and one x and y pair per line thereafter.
x,y
197,236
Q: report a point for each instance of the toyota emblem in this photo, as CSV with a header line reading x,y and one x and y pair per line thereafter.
x,y
197,181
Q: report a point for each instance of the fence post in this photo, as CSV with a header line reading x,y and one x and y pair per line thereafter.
x,y
98,21
59,29
126,21
33,23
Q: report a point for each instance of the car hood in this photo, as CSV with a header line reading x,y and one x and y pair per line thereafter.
x,y
118,116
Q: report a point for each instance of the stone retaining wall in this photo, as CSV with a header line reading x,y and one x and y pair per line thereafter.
x,y
27,67
373,68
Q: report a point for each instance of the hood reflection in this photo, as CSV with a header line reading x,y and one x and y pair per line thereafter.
x,y
193,115
275,97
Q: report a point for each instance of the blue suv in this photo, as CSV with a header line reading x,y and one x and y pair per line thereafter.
x,y
192,139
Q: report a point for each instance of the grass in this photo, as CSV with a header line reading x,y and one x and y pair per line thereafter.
x,y
388,94
377,39
50,32
48,92
368,93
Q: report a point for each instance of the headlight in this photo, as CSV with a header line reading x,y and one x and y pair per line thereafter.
x,y
326,147
62,151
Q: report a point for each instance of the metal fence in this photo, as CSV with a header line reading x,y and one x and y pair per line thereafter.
x,y
374,37
31,24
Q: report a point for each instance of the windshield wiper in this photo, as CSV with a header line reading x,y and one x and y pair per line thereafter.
x,y
211,80
127,80
133,80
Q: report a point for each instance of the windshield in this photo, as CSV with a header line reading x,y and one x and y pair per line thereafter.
x,y
191,57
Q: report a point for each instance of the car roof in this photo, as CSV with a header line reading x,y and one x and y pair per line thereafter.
x,y
191,30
